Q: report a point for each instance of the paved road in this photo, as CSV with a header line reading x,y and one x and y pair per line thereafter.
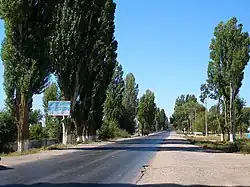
x,y
112,165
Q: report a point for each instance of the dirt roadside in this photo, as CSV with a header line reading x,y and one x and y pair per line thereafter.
x,y
180,163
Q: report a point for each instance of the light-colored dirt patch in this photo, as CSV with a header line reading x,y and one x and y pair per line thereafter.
x,y
180,163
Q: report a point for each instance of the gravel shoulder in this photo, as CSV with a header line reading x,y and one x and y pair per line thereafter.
x,y
179,163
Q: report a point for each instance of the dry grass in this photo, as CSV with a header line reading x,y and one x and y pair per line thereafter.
x,y
35,150
210,137
240,146
28,152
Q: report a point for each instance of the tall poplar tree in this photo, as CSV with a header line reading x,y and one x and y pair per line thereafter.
x,y
25,57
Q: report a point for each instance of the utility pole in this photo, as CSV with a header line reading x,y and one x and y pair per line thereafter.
x,y
191,128
195,115
206,133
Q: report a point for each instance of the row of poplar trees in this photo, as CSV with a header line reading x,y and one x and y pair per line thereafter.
x,y
229,55
74,40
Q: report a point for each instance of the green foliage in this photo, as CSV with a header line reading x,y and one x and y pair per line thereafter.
x,y
83,49
121,133
107,130
52,125
229,54
113,105
72,22
106,63
157,119
111,130
25,56
245,148
239,105
36,132
147,111
53,128
8,129
199,123
129,103
127,122
161,120
186,113
51,93
245,118
240,145
215,119
35,116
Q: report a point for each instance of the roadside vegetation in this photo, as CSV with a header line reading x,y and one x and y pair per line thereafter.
x,y
229,117
37,150
69,52
239,146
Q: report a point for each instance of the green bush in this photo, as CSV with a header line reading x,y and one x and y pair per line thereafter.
x,y
246,148
8,130
107,131
36,132
111,130
121,133
53,128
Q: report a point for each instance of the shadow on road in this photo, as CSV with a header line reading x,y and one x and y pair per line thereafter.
x,y
102,185
145,148
141,141
175,141
153,141
4,168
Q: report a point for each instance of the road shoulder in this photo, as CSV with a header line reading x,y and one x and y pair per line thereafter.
x,y
180,163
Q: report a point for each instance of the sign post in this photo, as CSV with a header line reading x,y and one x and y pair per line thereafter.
x,y
57,109
248,132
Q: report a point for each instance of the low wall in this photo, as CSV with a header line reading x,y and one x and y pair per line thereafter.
x,y
12,146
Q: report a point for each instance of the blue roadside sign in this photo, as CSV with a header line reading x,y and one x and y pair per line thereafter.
x,y
59,108
248,135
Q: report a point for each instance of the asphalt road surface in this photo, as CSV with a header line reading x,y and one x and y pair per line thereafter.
x,y
116,164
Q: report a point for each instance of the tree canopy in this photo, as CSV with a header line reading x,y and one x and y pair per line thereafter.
x,y
25,57
146,111
229,54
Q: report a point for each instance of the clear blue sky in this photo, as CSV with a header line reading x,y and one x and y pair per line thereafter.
x,y
165,44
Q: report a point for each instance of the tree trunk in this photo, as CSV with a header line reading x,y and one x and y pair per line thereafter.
x,y
241,131
225,112
92,131
190,125
65,138
222,136
79,131
221,127
232,116
228,135
227,123
85,133
23,126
